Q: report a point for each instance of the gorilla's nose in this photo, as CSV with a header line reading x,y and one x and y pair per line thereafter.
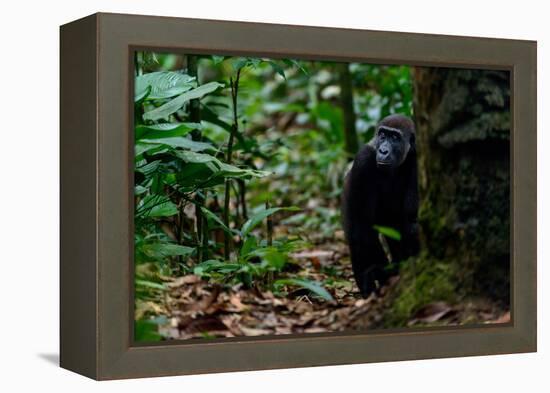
x,y
383,152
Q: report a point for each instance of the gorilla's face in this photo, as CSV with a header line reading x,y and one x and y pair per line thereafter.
x,y
392,147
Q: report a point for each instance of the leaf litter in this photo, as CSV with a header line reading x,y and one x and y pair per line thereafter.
x,y
194,308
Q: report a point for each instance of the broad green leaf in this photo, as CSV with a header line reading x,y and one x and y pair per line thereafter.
x,y
163,84
138,190
387,231
193,176
163,250
213,265
249,245
271,256
259,217
232,171
149,168
164,130
175,104
313,286
193,157
275,259
165,209
184,143
218,170
149,284
216,219
211,117
156,206
206,266
149,148
139,99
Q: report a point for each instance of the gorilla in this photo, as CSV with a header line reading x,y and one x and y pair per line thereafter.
x,y
381,189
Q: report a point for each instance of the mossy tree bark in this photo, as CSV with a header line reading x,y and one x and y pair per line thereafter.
x,y
463,137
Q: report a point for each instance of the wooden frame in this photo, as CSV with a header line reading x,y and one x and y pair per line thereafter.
x,y
96,197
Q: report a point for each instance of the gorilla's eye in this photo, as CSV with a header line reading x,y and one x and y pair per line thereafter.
x,y
394,137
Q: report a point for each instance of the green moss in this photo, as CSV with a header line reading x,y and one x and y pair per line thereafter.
x,y
423,280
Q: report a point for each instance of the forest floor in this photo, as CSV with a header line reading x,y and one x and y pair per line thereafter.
x,y
193,308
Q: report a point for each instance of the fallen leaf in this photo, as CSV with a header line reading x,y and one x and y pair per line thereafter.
x,y
237,304
184,280
504,318
248,331
204,324
432,312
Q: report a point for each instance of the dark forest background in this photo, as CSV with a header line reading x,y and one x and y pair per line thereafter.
x,y
239,166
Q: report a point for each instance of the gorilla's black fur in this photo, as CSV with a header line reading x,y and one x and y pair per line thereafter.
x,y
382,189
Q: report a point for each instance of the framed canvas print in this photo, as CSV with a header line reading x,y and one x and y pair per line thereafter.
x,y
242,196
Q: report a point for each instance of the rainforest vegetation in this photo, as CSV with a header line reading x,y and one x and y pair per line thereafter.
x,y
239,168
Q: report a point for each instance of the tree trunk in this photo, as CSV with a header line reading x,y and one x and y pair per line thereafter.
x,y
346,99
463,141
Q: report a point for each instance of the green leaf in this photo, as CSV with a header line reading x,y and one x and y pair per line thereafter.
x,y
239,62
387,231
192,176
164,84
148,169
216,219
196,158
217,59
216,171
139,99
156,206
138,190
164,130
232,171
313,286
206,266
259,217
182,142
211,117
175,104
292,62
141,148
249,245
271,256
165,209
146,331
278,69
212,265
149,284
275,259
163,250
254,61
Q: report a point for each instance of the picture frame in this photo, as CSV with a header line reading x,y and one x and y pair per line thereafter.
x,y
96,261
